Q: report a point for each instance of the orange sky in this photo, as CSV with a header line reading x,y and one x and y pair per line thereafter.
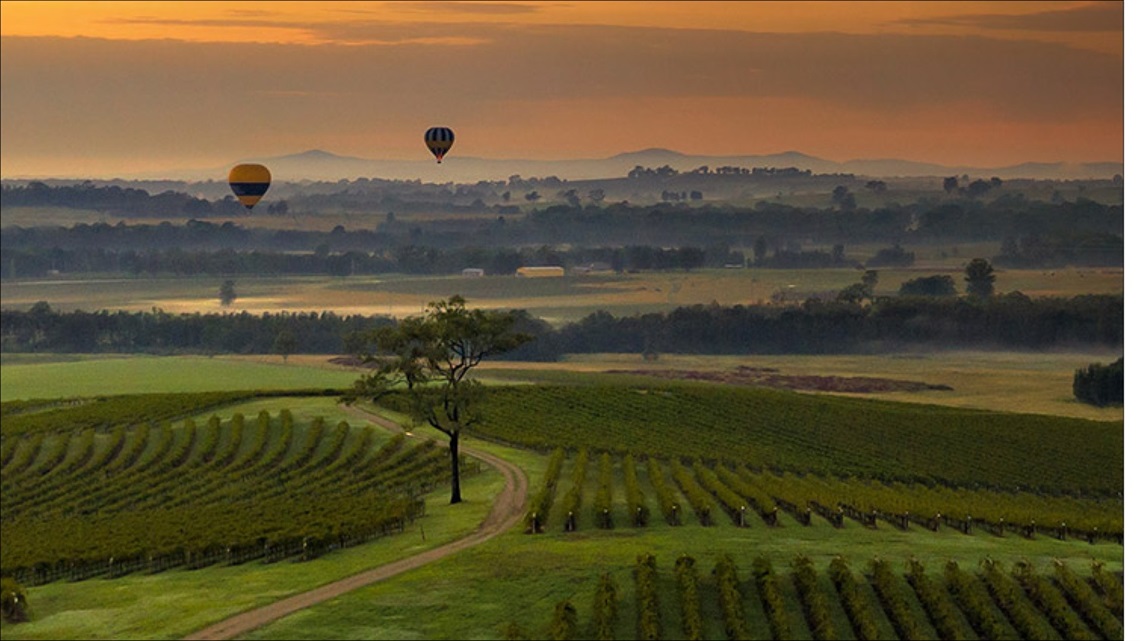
x,y
97,88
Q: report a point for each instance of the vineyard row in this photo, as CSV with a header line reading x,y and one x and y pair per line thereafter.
x,y
800,601
86,503
742,496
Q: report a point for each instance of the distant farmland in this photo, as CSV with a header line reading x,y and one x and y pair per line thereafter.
x,y
557,300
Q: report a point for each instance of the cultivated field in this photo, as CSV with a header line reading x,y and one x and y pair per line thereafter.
x,y
474,594
1025,382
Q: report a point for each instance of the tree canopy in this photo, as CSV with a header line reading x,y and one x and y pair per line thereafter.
x,y
980,278
427,359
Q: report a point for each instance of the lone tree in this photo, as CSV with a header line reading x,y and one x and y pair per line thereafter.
x,y
759,250
285,344
980,278
227,294
422,363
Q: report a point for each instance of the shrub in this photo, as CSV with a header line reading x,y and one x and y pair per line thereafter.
x,y
1100,384
941,285
13,601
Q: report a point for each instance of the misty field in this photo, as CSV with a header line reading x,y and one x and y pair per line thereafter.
x,y
558,301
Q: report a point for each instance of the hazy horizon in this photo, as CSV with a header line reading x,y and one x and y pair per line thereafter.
x,y
100,89
323,165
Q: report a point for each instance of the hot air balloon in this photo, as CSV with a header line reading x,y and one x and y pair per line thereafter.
x,y
439,140
249,182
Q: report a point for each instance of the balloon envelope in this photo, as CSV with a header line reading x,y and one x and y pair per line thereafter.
x,y
439,140
249,183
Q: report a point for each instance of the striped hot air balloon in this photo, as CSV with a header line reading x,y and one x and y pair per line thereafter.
x,y
249,182
439,140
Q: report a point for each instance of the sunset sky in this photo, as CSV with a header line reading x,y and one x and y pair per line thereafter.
x,y
98,89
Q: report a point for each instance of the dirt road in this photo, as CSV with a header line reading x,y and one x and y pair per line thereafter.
x,y
508,508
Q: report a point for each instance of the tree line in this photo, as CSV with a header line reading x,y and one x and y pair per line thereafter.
x,y
1010,217
127,201
922,221
1061,248
405,259
43,329
205,248
1005,321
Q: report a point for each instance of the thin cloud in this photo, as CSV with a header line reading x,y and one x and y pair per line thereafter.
x,y
1099,17
205,22
253,12
344,32
297,93
475,8
888,73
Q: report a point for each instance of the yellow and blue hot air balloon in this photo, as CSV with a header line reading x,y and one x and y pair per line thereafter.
x,y
249,182
439,140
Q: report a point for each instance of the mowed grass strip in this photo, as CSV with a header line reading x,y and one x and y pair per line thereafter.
x,y
159,374
803,432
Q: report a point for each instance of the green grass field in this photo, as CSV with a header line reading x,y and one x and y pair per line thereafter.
x,y
57,377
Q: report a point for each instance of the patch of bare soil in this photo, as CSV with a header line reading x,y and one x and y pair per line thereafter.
x,y
767,377
347,361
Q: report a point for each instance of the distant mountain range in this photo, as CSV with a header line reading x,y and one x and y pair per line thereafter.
x,y
318,165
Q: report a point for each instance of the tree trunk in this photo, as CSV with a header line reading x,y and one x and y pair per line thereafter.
x,y
455,497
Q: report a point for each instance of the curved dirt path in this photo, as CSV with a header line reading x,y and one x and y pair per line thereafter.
x,y
508,509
